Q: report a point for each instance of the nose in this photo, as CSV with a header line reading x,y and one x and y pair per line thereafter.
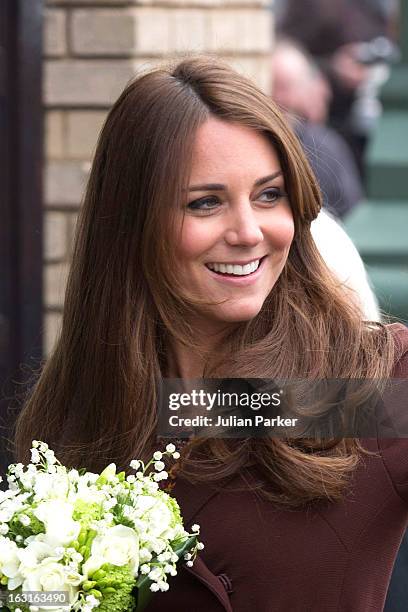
x,y
243,227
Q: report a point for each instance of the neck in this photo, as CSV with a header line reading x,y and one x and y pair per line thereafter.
x,y
189,362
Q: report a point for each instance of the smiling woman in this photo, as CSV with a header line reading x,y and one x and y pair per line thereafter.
x,y
237,231
194,258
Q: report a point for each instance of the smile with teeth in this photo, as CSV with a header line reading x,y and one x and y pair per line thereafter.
x,y
235,269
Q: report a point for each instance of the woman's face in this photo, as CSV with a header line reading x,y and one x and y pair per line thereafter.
x,y
238,224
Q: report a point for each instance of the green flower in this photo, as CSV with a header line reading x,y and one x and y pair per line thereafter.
x,y
86,512
116,585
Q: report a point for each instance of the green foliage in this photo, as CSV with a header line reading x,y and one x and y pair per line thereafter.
x,y
116,585
17,528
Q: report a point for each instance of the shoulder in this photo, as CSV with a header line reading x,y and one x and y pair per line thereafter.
x,y
331,239
325,229
392,438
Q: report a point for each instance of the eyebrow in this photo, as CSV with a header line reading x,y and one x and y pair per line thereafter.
x,y
221,187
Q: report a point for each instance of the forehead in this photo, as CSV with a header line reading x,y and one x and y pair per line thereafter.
x,y
225,148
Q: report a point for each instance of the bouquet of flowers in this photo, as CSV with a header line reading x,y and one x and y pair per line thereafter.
x,y
78,541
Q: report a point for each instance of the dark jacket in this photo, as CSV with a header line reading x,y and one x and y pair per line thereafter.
x,y
336,557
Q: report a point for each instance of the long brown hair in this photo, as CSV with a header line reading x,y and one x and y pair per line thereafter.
x,y
95,400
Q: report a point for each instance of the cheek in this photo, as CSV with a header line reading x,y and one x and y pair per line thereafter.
x,y
194,240
282,233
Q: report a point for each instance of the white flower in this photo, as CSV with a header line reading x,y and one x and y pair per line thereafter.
x,y
35,456
151,487
51,485
50,457
108,504
154,587
73,475
50,575
156,514
163,585
27,480
91,600
77,557
24,520
157,546
16,469
160,476
10,563
195,528
7,511
155,573
176,455
35,551
119,545
91,494
73,577
189,564
143,504
200,546
49,562
144,555
60,528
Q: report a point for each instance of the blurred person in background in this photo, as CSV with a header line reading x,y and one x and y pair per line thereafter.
x,y
301,88
342,257
333,32
303,92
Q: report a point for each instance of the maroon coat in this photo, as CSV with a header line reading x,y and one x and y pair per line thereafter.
x,y
336,557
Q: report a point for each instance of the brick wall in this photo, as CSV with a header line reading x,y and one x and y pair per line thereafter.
x,y
91,49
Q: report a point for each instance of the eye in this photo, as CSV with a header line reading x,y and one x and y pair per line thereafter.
x,y
204,204
271,195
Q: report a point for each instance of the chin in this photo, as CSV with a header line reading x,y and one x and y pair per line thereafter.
x,y
239,313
